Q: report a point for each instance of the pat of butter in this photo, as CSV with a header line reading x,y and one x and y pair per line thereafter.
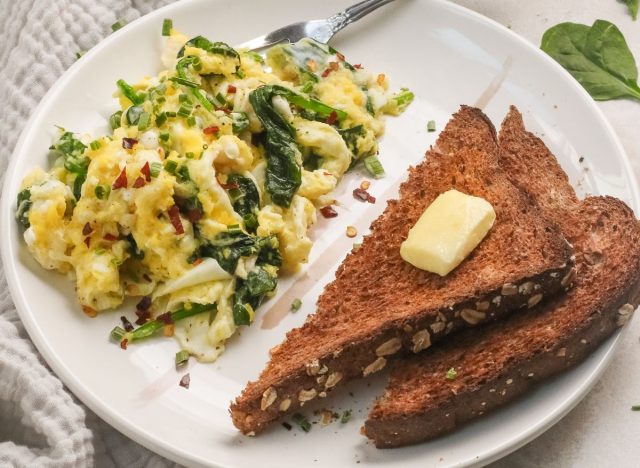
x,y
448,230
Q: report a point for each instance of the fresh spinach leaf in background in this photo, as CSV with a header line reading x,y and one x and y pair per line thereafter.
x,y
597,56
633,7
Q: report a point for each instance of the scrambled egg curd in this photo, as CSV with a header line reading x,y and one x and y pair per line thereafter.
x,y
207,185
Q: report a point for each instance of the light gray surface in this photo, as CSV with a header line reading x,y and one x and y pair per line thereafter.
x,y
600,431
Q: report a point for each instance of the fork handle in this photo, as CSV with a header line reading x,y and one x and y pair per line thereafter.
x,y
354,13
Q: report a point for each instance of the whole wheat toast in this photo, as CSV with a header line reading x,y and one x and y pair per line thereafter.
x,y
379,306
503,360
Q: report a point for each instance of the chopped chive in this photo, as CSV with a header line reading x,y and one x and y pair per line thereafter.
x,y
240,74
346,416
170,166
308,87
190,155
102,191
185,109
191,121
99,251
80,53
118,25
144,120
167,24
301,421
182,357
155,168
451,374
374,166
184,98
150,328
296,304
635,408
129,92
115,119
221,100
117,333
184,82
95,145
164,137
431,126
116,261
161,118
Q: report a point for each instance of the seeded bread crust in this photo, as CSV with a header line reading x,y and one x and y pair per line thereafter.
x,y
379,306
507,358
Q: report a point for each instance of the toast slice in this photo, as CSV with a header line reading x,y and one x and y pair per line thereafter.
x,y
503,360
379,305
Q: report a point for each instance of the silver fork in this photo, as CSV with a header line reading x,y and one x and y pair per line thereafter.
x,y
321,30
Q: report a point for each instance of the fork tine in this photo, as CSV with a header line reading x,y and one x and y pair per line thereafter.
x,y
256,43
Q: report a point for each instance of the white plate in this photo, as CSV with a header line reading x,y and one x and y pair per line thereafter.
x,y
448,56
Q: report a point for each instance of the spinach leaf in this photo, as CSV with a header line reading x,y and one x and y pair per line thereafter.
x,y
597,56
245,200
250,293
350,137
239,121
633,8
134,250
283,174
23,206
71,151
218,48
229,246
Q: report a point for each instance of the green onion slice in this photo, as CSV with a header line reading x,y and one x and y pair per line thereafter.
x,y
130,93
182,357
374,166
431,126
167,25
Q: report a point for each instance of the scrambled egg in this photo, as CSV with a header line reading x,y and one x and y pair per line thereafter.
x,y
207,186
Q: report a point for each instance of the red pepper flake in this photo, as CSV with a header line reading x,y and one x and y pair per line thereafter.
x,y
146,172
124,343
332,118
211,130
185,381
121,181
145,302
139,182
87,241
231,89
129,143
326,72
110,237
87,229
143,316
197,261
194,215
328,212
89,311
165,318
229,186
363,195
174,216
126,324
340,56
357,66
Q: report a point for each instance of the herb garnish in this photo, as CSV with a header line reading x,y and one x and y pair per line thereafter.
x,y
597,56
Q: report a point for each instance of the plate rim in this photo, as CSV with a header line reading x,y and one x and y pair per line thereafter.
x,y
154,443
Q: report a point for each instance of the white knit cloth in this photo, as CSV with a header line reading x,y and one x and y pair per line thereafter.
x,y
41,423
